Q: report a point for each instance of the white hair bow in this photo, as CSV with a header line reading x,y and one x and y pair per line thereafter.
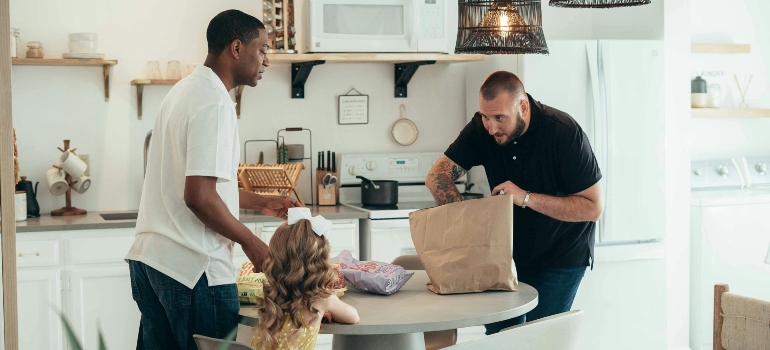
x,y
320,225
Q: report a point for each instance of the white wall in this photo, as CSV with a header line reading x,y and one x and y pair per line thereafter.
x,y
746,24
640,22
677,65
54,103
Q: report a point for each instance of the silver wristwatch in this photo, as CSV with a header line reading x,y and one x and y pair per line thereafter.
x,y
526,199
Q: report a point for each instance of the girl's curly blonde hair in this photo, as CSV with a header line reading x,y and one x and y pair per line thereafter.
x,y
298,274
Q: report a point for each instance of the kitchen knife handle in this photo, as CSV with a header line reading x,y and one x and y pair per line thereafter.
x,y
328,160
334,162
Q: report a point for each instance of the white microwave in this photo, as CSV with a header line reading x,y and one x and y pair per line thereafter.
x,y
377,26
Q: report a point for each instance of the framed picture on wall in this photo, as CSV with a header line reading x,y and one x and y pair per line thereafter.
x,y
353,109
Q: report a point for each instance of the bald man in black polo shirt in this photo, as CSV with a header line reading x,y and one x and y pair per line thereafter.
x,y
541,157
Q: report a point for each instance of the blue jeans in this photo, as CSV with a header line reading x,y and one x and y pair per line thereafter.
x,y
172,313
556,289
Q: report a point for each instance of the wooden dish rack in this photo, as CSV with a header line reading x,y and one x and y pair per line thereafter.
x,y
271,179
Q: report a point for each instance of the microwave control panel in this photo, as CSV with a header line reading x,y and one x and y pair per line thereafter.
x,y
432,19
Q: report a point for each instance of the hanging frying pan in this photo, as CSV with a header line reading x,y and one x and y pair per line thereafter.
x,y
404,130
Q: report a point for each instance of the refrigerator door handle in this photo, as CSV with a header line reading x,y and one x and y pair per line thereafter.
x,y
605,68
593,70
599,123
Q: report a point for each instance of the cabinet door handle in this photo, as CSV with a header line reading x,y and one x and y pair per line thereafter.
x,y
21,254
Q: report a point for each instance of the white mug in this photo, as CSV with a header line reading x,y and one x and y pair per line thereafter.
x,y
82,185
56,181
20,201
72,164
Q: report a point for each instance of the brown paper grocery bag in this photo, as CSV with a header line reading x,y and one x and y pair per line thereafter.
x,y
467,246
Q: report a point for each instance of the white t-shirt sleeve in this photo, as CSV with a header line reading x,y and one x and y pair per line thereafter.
x,y
210,138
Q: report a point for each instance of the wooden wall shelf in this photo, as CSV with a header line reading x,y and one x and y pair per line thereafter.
x,y
730,113
373,57
105,64
405,65
140,83
721,48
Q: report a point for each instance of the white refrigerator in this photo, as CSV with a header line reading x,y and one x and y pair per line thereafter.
x,y
614,90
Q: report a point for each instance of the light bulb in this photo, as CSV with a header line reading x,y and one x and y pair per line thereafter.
x,y
503,21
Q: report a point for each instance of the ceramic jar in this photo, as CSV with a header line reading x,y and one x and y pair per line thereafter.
x,y
699,93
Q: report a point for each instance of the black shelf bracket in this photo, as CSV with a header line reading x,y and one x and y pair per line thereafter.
x,y
404,73
299,74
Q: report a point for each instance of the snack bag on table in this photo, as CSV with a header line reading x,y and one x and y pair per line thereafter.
x,y
250,284
371,276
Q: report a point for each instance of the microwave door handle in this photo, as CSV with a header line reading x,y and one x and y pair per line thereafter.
x,y
415,25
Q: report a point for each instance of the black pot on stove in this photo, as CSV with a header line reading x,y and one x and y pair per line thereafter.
x,y
380,192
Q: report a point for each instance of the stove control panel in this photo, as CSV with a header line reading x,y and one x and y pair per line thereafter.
x,y
402,167
716,173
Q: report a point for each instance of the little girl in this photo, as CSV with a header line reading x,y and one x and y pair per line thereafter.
x,y
297,293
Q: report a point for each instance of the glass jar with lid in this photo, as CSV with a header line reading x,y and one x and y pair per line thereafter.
x,y
15,42
34,49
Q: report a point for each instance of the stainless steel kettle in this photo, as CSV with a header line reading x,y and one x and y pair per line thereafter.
x,y
33,208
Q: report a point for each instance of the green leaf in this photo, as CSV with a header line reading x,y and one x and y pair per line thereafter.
x,y
102,346
228,339
73,340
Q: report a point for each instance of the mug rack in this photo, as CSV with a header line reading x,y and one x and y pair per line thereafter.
x,y
68,209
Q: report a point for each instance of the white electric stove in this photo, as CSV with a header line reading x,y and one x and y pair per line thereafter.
x,y
386,231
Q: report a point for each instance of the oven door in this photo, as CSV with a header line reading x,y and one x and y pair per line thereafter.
x,y
391,238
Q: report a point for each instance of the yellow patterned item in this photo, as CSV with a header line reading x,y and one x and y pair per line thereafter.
x,y
292,338
250,287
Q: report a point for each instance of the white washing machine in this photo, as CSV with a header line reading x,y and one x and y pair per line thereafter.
x,y
730,234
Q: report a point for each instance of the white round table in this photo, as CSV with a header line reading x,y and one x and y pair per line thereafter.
x,y
398,321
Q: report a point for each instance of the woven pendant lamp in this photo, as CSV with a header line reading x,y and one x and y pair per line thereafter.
x,y
597,3
500,27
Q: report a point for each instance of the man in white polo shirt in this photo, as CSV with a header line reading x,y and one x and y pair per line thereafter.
x,y
182,274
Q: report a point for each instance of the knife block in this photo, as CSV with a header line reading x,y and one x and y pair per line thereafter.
x,y
326,196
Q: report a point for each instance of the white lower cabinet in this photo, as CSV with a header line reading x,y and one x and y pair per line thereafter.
x,y
83,274
343,236
391,239
100,299
39,301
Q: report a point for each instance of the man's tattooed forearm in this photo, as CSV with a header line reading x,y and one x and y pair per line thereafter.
x,y
457,172
441,181
445,191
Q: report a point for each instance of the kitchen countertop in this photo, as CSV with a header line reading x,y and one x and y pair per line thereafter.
x,y
93,220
